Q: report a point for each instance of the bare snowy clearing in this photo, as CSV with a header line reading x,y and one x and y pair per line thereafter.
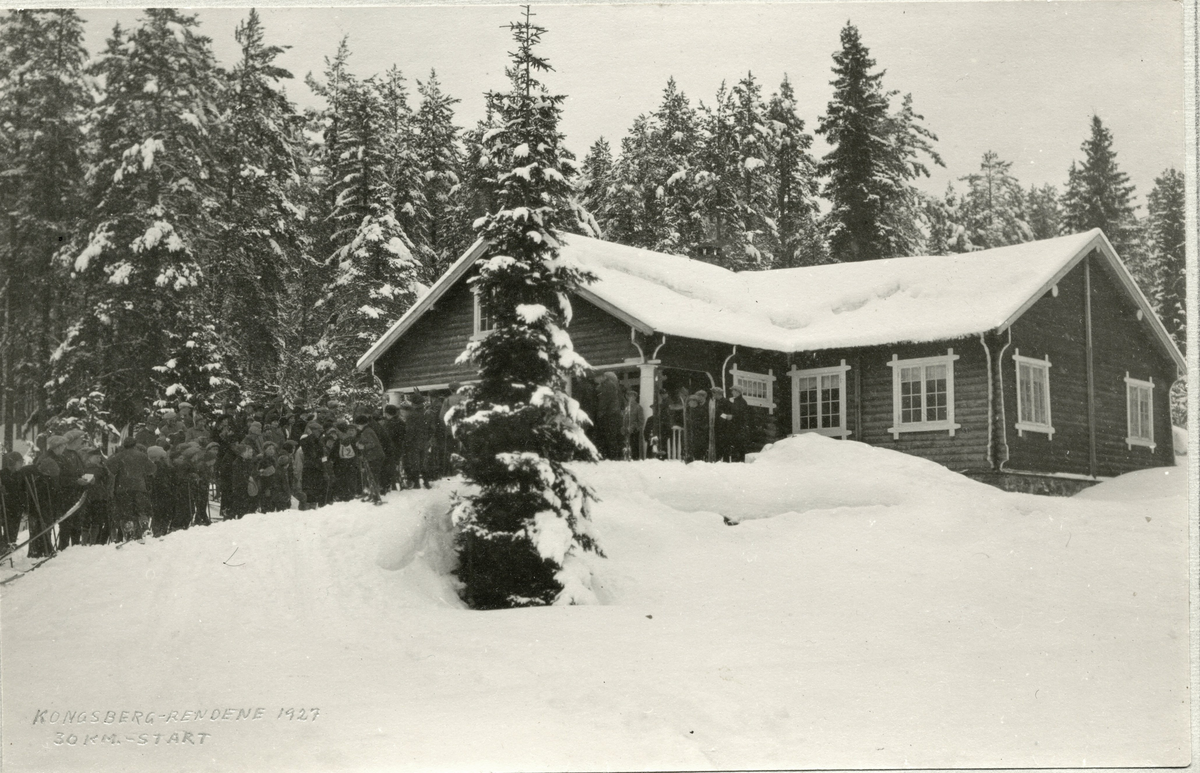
x,y
869,610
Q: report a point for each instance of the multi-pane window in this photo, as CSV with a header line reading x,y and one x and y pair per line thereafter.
x,y
484,322
1139,399
1033,394
757,388
818,401
923,394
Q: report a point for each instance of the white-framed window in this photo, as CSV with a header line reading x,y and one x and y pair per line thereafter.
x,y
923,394
1033,394
1139,410
819,400
484,322
757,388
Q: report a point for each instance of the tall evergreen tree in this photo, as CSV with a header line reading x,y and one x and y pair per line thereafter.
x,y
1099,194
794,234
671,169
257,224
373,261
875,154
1166,226
944,220
596,180
44,100
440,160
1043,212
522,536
994,206
143,332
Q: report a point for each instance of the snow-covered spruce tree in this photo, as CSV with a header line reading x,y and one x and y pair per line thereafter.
x,y
794,237
256,226
1166,226
1099,194
521,538
875,154
595,180
994,205
44,100
372,260
139,267
439,159
943,220
1042,211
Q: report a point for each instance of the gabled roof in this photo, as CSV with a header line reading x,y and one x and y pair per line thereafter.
x,y
917,299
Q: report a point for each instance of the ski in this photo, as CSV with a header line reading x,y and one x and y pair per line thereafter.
x,y
74,509
23,572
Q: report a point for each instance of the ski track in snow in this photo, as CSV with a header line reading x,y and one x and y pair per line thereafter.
x,y
868,609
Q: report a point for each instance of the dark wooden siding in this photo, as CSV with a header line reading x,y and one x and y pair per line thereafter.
x,y
869,411
1123,343
425,354
1052,327
601,338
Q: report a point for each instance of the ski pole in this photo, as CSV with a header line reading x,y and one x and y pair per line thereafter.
x,y
74,509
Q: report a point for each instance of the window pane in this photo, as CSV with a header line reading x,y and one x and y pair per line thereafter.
x,y
831,398
1039,414
1025,386
808,403
910,395
935,393
1144,413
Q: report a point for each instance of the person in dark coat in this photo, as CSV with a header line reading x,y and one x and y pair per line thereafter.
x,y
393,430
67,487
416,444
272,489
347,481
633,418
584,392
371,450
243,483
741,426
697,417
310,468
723,429
13,496
131,470
608,415
163,486
97,512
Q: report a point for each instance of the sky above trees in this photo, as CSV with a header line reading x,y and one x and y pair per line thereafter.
x,y
1020,79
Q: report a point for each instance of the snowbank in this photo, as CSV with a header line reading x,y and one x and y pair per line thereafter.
x,y
868,609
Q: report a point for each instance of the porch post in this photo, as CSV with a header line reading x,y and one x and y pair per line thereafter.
x,y
647,396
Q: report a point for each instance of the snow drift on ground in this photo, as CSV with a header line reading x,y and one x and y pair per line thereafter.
x,y
866,609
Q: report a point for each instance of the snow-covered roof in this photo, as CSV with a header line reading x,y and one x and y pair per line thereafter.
x,y
915,299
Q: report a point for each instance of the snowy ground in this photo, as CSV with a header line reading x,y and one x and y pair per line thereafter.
x,y
869,609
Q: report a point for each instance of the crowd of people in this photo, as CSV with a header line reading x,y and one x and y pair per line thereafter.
x,y
182,465
170,467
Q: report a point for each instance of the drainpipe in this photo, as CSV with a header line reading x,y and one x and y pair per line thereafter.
x,y
987,353
1003,419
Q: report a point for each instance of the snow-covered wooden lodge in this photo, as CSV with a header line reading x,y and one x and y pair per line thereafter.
x,y
1039,366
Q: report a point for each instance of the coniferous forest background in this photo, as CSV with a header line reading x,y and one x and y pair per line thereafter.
x,y
177,229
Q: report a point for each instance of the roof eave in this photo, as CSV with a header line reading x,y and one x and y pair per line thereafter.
x,y
1100,242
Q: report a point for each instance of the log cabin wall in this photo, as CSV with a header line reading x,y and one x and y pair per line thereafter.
x,y
426,353
1054,327
1124,344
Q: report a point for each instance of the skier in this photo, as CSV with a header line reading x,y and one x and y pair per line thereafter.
x,y
95,517
370,451
130,469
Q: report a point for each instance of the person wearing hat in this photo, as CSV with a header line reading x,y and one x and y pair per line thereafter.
x,y
308,468
65,486
416,444
698,426
394,429
371,451
741,425
608,415
163,487
131,472
243,483
97,512
13,495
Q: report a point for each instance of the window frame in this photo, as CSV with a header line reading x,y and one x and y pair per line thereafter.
x,y
477,330
1131,440
740,377
1044,365
795,374
948,424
